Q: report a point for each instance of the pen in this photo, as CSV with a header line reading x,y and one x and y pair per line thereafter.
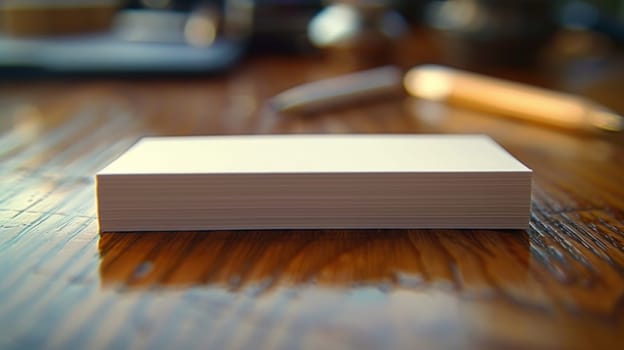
x,y
448,85
342,90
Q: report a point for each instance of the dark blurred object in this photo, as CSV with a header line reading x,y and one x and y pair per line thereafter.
x,y
228,19
106,54
268,25
364,30
169,5
281,25
208,38
199,28
582,15
483,32
48,18
412,10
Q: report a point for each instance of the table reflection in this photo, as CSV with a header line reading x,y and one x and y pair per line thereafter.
x,y
332,258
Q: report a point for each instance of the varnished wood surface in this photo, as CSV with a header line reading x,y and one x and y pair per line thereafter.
x,y
557,285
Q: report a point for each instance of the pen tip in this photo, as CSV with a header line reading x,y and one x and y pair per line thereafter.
x,y
607,120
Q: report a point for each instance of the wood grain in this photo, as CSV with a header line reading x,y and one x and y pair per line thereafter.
x,y
559,284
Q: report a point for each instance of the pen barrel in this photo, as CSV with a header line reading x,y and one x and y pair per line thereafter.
x,y
500,97
348,89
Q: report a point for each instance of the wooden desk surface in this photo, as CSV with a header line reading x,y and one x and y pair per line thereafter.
x,y
559,284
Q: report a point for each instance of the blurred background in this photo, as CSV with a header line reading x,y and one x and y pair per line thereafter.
x,y
73,37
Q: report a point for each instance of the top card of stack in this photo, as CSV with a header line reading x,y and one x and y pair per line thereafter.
x,y
313,181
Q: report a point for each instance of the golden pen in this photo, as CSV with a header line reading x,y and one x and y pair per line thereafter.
x,y
508,98
444,84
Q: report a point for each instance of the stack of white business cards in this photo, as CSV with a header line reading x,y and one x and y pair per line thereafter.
x,y
314,181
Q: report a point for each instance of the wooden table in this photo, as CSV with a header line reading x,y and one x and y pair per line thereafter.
x,y
559,284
